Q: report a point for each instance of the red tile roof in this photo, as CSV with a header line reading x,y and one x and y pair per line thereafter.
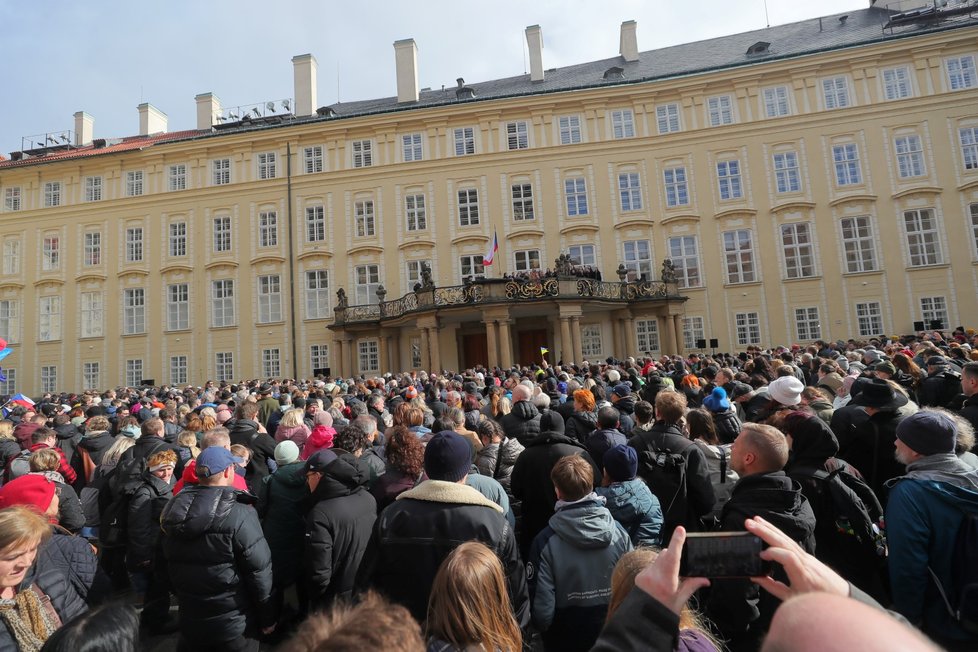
x,y
123,145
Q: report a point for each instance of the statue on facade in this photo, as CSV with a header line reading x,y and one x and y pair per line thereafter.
x,y
564,265
341,302
426,282
668,271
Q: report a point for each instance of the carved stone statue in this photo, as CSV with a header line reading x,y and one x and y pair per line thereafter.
x,y
563,265
426,282
341,301
668,271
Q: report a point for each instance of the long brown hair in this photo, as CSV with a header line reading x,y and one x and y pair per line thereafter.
x,y
469,603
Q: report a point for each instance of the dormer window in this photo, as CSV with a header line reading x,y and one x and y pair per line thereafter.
x,y
614,72
759,48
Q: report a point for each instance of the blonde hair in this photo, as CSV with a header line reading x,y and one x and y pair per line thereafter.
x,y
6,429
503,406
22,526
341,628
115,451
469,603
189,439
291,418
44,459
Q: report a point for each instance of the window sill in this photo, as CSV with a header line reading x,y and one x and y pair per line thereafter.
x,y
915,268
742,284
867,272
178,330
802,279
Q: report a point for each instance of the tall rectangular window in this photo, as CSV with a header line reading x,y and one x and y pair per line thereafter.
x,y
224,365
630,191
9,386
575,194
221,171
910,157
472,267
178,239
787,175
517,136
92,249
51,253
846,159
527,260
961,72
178,370
923,237
267,229
468,207
91,375
134,244
222,234
49,319
176,177
49,378
11,256
591,346
269,299
363,153
312,159
414,212
667,118
569,127
134,183
222,303
896,83
622,124
177,307
638,258
52,194
776,102
91,314
869,319
973,210
267,165
582,255
319,356
934,309
684,253
133,311
799,250
693,330
271,363
729,180
12,198
835,92
748,326
369,356
315,223
677,192
412,148
93,188
317,294
968,137
738,252
10,320
464,141
367,281
647,335
719,110
522,201
858,241
807,324
364,213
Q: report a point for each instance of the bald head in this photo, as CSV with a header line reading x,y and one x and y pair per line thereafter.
x,y
521,393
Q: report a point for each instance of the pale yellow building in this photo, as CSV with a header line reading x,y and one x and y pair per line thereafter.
x,y
811,180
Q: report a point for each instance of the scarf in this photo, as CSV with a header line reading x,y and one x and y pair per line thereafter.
x,y
945,468
28,619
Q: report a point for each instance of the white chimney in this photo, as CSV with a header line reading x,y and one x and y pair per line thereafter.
x,y
628,43
208,108
534,43
406,62
151,120
304,70
84,129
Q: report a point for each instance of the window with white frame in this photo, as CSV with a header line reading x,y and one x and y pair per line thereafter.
x,y
684,254
363,212
363,153
517,136
51,253
807,324
692,331
748,325
896,83
934,309
923,237
133,311
92,249
729,180
575,194
49,378
667,118
10,320
315,223
464,141
178,370
637,256
11,256
222,303
92,314
647,335
367,281
412,148
222,234
52,194
317,294
9,386
93,188
468,207
526,260
630,191
415,352
178,239
582,254
221,171
591,341
835,92
177,307
776,102
224,365
738,252
973,210
414,212
266,165
858,241
677,191
961,72
134,244
91,375
522,201
799,250
271,363
787,175
134,183
267,229
369,354
910,156
413,268
319,356
846,160
622,124
471,267
176,176
49,319
269,299
968,137
869,318
12,198
312,159
719,110
569,127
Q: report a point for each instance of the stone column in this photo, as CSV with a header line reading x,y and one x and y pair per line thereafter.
x,y
425,350
339,371
505,344
668,335
566,344
395,352
435,350
348,356
492,343
677,323
576,338
630,340
616,341
382,352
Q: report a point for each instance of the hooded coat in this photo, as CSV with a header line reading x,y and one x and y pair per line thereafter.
x,y
282,503
636,508
245,432
68,437
580,424
145,507
320,438
296,434
522,423
95,444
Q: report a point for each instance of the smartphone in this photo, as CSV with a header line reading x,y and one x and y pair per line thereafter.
x,y
723,554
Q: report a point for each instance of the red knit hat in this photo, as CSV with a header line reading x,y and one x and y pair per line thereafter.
x,y
31,490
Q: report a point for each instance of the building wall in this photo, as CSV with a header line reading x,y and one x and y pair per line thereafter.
x,y
765,305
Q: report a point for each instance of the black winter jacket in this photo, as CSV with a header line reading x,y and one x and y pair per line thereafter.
x,y
282,504
68,438
626,414
145,507
497,461
869,447
727,425
522,423
580,425
95,444
969,410
8,448
262,448
219,563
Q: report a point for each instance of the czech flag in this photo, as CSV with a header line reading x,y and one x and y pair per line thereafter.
x,y
491,252
20,399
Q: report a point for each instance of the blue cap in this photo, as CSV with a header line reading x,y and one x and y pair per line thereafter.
x,y
214,460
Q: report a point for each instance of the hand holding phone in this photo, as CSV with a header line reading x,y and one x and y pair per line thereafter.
x,y
723,555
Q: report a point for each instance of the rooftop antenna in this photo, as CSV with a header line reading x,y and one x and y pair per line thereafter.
x,y
337,81
767,19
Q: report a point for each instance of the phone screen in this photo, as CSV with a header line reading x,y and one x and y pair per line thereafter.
x,y
723,554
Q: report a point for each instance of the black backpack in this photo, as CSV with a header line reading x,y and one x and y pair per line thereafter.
x,y
964,591
665,472
19,465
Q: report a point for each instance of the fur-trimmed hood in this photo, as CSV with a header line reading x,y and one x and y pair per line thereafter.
x,y
440,491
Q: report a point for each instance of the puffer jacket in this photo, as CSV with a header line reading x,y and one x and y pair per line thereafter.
x,y
296,434
219,563
722,475
522,423
321,438
636,508
727,425
262,447
145,507
338,529
626,414
580,424
497,461
282,506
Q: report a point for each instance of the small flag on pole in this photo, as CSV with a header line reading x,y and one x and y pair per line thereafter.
x,y
544,350
491,251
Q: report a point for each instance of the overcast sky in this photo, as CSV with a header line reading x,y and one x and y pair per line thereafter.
x,y
105,57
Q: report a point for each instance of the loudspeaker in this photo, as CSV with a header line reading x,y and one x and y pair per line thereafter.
x,y
700,344
714,343
147,381
918,326
321,371
937,324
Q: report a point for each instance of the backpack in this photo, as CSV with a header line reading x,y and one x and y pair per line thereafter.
x,y
114,521
665,473
19,465
964,592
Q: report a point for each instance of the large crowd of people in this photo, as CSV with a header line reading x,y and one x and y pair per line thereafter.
x,y
538,507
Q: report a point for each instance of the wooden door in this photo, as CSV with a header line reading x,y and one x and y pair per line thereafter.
x,y
528,345
475,350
